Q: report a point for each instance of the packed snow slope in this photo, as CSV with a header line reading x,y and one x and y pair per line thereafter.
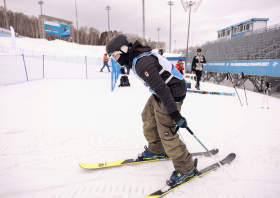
x,y
58,47
47,127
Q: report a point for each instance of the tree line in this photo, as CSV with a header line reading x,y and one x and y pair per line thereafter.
x,y
28,26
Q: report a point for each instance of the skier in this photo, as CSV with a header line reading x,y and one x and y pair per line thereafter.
x,y
105,63
197,67
162,111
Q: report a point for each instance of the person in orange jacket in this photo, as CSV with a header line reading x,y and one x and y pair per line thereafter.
x,y
105,62
180,66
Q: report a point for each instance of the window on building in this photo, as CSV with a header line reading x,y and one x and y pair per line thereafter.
x,y
228,32
224,33
218,35
234,30
248,26
241,28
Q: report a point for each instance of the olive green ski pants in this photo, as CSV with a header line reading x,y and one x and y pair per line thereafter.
x,y
157,126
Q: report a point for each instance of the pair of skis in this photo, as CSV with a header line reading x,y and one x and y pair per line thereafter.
x,y
169,187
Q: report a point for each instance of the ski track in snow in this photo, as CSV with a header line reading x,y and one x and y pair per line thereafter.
x,y
48,126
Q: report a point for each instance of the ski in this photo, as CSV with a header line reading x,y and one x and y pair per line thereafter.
x,y
211,92
169,188
136,161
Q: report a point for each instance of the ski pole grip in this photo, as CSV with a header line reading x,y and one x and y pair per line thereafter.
x,y
190,130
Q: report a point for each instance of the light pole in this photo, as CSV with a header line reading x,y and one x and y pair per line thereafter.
x,y
77,23
108,8
188,5
158,29
143,22
7,22
41,3
170,3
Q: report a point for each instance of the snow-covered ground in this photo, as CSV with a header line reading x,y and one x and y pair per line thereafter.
x,y
48,126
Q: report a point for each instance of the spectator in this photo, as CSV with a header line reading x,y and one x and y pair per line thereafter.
x,y
180,66
105,63
197,67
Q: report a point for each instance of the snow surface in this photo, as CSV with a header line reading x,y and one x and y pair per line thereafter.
x,y
48,126
56,47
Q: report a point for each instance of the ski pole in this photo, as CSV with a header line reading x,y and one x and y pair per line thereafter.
x,y
243,77
190,131
267,86
235,88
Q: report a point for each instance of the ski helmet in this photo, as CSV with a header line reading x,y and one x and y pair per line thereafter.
x,y
161,51
116,44
198,50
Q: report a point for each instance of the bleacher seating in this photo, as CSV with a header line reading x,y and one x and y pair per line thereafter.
x,y
261,44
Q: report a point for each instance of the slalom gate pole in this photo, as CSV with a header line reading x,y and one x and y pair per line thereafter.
x,y
190,131
235,88
243,77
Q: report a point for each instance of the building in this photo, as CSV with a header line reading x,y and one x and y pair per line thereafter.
x,y
243,28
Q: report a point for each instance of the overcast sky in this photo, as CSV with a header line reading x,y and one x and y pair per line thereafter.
x,y
126,16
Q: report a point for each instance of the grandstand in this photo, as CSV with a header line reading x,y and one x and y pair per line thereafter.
x,y
261,44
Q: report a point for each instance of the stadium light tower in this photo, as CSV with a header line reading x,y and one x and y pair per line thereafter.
x,y
188,5
7,22
41,3
170,3
108,8
159,30
77,23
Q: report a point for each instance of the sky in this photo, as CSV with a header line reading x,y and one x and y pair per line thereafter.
x,y
127,16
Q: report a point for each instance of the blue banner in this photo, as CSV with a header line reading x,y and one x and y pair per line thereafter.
x,y
57,29
254,67
115,73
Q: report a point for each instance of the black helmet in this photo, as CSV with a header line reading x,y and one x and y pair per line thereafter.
x,y
117,42
198,50
161,50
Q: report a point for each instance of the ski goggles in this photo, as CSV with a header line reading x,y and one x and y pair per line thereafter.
x,y
115,54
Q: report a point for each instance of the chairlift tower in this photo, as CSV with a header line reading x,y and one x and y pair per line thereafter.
x,y
188,6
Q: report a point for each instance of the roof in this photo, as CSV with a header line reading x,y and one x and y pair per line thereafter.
x,y
244,22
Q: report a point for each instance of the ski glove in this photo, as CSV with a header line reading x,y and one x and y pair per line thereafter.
x,y
180,121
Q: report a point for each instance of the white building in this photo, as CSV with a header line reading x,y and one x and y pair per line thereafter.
x,y
243,28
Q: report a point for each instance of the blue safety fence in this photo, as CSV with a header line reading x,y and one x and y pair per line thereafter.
x,y
115,73
250,67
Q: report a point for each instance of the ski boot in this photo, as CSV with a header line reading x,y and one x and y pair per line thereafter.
x,y
178,178
148,155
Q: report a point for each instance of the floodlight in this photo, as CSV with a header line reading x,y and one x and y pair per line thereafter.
x,y
185,5
197,5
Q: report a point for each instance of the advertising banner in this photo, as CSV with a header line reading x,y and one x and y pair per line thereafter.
x,y
57,29
253,67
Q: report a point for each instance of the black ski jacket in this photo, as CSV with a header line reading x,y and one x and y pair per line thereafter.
x,y
168,94
195,60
